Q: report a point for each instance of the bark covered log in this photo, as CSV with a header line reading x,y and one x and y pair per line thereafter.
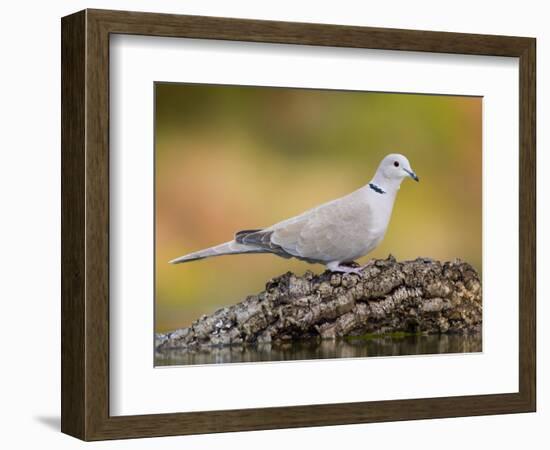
x,y
420,296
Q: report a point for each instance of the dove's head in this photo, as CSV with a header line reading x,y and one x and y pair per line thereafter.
x,y
395,167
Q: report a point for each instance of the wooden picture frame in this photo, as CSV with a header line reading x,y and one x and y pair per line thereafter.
x,y
85,224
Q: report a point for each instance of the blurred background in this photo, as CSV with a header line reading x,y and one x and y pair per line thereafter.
x,y
237,157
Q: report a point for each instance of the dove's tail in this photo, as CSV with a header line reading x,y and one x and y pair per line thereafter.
x,y
228,248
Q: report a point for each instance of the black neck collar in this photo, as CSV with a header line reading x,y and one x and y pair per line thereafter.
x,y
376,188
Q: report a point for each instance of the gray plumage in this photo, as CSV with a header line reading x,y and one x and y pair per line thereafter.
x,y
333,233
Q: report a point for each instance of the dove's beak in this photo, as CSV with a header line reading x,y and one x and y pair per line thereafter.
x,y
412,175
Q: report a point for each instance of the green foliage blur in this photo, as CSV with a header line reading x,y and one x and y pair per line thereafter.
x,y
236,157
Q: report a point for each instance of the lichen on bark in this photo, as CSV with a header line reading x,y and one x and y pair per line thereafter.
x,y
419,296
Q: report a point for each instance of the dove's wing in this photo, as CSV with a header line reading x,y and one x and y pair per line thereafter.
x,y
334,231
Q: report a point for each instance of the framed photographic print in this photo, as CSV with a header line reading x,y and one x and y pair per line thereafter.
x,y
272,224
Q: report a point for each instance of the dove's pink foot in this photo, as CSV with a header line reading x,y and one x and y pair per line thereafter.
x,y
342,268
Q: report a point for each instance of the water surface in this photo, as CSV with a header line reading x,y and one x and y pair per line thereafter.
x,y
360,347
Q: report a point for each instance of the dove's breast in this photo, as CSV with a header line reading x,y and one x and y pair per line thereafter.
x,y
364,228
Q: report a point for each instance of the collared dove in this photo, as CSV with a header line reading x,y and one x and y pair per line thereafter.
x,y
334,233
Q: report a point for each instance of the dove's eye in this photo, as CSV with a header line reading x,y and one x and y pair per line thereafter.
x,y
396,164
